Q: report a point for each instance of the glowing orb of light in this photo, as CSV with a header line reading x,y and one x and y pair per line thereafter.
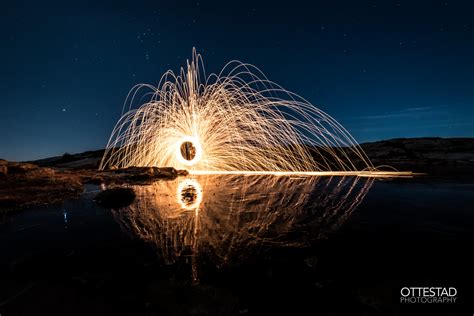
x,y
189,194
189,150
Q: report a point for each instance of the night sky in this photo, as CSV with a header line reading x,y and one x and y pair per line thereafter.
x,y
383,69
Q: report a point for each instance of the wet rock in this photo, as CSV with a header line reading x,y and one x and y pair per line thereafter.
x,y
170,173
182,172
115,197
167,173
149,173
137,172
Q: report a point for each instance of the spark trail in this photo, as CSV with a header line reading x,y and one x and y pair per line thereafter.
x,y
236,121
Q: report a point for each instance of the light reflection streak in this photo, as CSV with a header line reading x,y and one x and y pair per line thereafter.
x,y
235,216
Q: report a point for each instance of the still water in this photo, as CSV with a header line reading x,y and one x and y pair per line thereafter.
x,y
242,245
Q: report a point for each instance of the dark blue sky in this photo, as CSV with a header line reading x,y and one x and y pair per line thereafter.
x,y
383,69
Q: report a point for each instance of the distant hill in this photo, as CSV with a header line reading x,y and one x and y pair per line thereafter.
x,y
85,160
423,154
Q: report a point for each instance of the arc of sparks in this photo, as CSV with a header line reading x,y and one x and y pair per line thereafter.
x,y
236,121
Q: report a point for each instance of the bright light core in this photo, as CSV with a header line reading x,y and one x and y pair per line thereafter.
x,y
189,150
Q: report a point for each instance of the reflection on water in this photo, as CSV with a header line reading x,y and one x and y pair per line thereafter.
x,y
226,218
189,194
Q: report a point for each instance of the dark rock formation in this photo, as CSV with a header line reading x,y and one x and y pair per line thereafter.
x,y
136,175
145,173
115,197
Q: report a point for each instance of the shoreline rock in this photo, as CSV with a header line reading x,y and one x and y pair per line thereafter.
x,y
24,185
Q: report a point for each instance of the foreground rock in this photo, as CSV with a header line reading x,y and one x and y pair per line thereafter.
x,y
115,198
147,173
136,175
25,185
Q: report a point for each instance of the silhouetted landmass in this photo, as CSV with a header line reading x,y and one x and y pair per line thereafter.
x,y
430,155
416,154
85,160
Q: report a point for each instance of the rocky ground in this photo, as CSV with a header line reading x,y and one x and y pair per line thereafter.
x,y
54,179
24,185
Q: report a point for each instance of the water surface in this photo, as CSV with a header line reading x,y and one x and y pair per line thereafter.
x,y
242,245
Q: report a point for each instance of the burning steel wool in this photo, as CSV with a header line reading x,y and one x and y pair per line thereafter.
x,y
236,121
